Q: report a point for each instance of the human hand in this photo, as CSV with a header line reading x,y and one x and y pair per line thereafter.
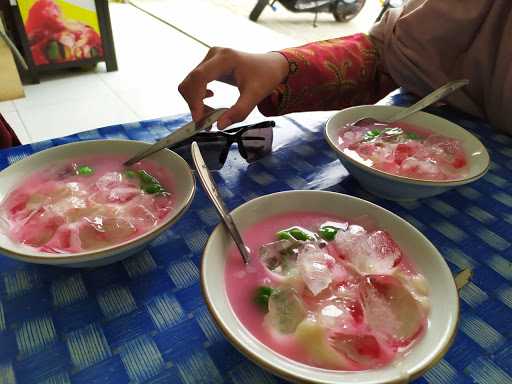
x,y
255,76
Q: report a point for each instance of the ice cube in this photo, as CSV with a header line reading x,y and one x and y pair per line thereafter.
x,y
312,337
16,204
417,285
369,253
347,241
140,216
362,348
109,181
337,314
352,244
383,153
66,239
90,236
38,228
113,188
159,205
405,150
352,135
348,296
347,289
315,267
72,202
122,194
423,168
344,272
72,197
446,148
117,229
366,150
388,166
280,256
448,154
163,204
386,254
391,309
285,310
103,231
365,221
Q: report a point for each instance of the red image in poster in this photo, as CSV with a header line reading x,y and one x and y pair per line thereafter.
x,y
55,39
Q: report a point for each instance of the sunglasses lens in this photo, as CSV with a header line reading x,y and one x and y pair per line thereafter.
x,y
211,152
257,143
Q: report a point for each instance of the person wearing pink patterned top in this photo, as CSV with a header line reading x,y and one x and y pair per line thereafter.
x,y
419,47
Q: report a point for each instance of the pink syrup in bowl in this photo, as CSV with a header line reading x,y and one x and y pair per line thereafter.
x,y
354,302
405,150
87,204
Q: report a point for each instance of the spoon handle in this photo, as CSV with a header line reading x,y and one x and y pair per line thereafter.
x,y
431,98
213,193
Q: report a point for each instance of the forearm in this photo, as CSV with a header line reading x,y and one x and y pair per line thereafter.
x,y
329,75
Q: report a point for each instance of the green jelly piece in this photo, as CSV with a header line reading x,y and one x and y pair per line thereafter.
x,y
295,233
149,184
370,135
328,232
283,235
147,178
84,170
413,136
261,296
153,188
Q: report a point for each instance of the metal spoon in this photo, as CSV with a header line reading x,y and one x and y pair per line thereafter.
x,y
214,195
184,132
431,98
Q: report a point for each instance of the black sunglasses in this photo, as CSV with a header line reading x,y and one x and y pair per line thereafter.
x,y
254,142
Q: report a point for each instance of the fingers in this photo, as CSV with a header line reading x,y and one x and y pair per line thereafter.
x,y
240,110
229,66
193,98
216,65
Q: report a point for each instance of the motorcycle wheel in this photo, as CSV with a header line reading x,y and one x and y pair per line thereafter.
x,y
258,8
346,11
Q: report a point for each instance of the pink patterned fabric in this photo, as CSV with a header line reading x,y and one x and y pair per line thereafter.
x,y
329,75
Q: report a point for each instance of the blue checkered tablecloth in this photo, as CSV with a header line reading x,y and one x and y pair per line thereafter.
x,y
143,320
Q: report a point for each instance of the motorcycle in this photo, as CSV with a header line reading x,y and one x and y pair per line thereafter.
x,y
387,4
342,10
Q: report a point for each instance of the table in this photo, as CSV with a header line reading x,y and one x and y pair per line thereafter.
x,y
143,320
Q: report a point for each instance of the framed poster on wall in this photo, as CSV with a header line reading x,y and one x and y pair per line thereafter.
x,y
65,33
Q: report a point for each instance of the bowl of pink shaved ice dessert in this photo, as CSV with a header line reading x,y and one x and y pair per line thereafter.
x,y
77,205
421,156
337,290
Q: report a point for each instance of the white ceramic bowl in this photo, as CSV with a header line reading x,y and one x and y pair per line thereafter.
x,y
443,294
13,175
393,187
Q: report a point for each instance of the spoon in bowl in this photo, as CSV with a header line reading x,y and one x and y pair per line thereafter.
x,y
431,98
213,193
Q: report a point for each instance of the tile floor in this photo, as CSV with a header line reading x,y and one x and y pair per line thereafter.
x,y
300,25
143,88
153,58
